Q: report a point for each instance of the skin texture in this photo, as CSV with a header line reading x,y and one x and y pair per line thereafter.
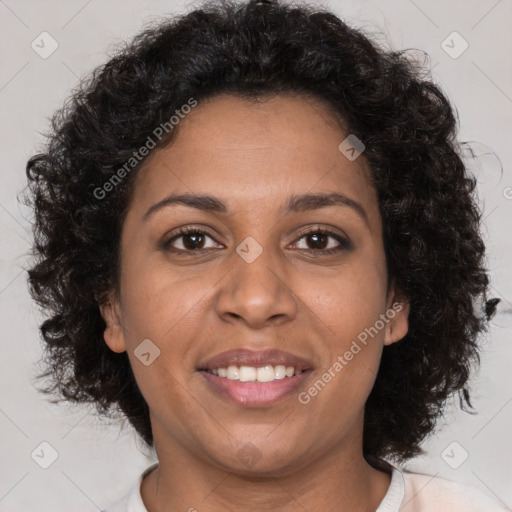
x,y
254,157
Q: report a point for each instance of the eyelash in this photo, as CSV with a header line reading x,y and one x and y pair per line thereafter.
x,y
344,244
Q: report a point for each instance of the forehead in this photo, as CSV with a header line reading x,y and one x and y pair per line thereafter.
x,y
243,151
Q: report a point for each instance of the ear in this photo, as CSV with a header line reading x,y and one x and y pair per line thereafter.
x,y
397,311
114,333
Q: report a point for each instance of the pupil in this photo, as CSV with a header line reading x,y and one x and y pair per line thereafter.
x,y
316,237
194,245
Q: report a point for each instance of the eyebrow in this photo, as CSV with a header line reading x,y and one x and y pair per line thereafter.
x,y
296,203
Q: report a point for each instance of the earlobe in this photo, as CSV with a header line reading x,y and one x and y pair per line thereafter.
x,y
114,333
398,325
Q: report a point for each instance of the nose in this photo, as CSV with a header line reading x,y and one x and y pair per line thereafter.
x,y
258,293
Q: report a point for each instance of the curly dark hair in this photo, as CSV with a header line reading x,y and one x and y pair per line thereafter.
x,y
434,251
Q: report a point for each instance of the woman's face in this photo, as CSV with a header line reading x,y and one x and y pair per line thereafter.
x,y
254,279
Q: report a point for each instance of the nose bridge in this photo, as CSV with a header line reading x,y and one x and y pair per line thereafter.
x,y
256,289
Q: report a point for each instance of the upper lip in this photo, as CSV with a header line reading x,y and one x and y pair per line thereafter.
x,y
256,358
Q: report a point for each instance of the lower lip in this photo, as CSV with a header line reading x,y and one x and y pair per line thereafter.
x,y
255,394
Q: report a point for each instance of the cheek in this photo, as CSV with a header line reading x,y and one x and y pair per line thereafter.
x,y
348,300
169,307
348,308
163,309
158,300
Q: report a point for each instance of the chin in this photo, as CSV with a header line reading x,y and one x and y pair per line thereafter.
x,y
253,459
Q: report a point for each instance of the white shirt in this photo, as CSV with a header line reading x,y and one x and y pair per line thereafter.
x,y
408,492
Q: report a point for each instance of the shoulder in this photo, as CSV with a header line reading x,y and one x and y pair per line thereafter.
x,y
426,493
128,503
132,501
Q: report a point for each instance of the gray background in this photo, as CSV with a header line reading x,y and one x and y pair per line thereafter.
x,y
97,462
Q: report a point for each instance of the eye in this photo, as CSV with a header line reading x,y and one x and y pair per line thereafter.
x,y
187,239
324,241
190,240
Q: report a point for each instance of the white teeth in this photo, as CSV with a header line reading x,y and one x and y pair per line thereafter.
x,y
266,373
247,374
232,372
280,371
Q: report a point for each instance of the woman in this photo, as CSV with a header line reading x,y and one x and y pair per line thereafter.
x,y
256,238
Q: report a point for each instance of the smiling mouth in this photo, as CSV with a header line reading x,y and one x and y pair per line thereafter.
x,y
247,390
254,378
266,373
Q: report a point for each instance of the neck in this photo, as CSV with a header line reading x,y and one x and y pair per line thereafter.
x,y
338,480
